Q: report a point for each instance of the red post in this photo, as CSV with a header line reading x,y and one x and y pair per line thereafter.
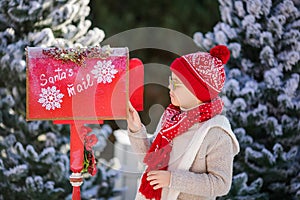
x,y
76,159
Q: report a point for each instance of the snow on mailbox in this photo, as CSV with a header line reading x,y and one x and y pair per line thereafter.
x,y
77,83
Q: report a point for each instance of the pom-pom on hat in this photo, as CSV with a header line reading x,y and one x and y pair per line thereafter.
x,y
203,73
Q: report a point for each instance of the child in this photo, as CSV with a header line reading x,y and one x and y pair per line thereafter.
x,y
192,154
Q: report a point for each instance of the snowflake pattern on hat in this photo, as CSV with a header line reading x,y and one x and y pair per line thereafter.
x,y
208,68
50,98
104,71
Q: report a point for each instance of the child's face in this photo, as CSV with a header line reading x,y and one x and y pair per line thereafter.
x,y
180,95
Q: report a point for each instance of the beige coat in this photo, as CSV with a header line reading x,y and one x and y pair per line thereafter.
x,y
210,172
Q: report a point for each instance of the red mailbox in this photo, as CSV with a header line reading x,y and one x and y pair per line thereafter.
x,y
80,86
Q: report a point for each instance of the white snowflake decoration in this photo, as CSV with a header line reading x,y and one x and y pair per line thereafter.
x,y
104,71
51,98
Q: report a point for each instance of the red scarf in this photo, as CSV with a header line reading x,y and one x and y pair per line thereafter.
x,y
174,123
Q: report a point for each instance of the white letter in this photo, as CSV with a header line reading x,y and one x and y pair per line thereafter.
x,y
43,79
71,90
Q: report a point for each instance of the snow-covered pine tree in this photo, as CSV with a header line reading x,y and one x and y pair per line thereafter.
x,y
262,94
34,161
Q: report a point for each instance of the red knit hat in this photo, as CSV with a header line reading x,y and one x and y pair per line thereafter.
x,y
203,73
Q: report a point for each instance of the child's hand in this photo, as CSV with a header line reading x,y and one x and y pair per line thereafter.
x,y
133,119
159,178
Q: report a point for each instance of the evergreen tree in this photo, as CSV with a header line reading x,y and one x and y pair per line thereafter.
x,y
34,160
262,94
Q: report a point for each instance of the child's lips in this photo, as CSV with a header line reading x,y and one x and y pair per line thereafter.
x,y
171,95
